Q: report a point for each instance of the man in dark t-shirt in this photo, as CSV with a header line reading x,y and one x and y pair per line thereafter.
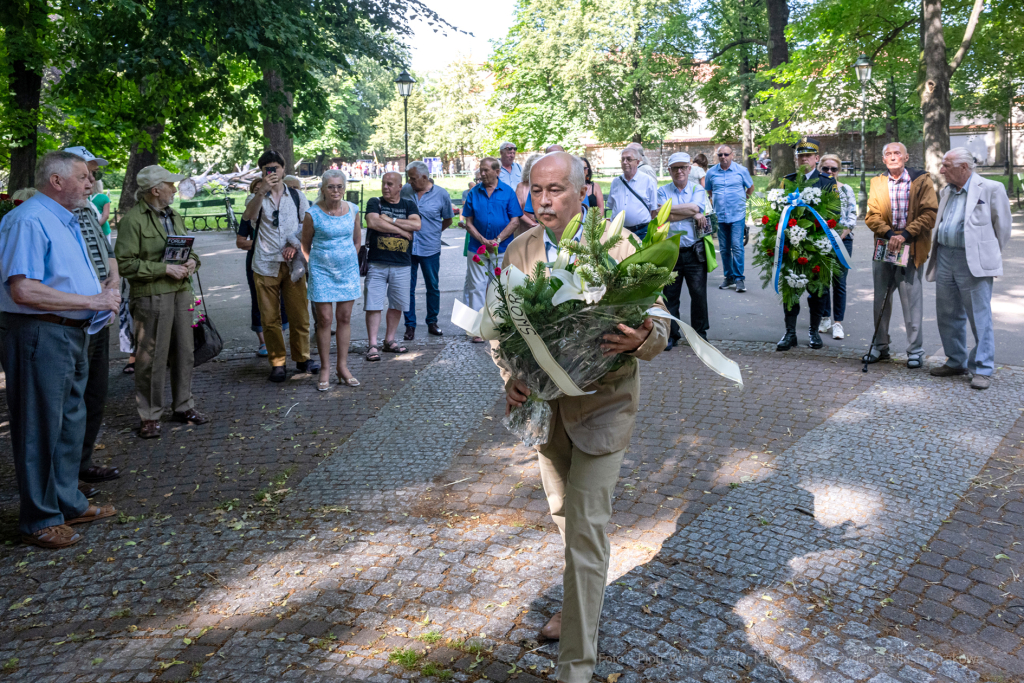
x,y
390,224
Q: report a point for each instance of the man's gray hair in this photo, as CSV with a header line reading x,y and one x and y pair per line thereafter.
x,y
502,146
903,148
631,150
330,175
528,166
55,163
577,174
961,155
419,167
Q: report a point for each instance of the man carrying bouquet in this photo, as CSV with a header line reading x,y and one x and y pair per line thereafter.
x,y
580,463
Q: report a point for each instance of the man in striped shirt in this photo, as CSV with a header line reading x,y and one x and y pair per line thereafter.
x,y
901,210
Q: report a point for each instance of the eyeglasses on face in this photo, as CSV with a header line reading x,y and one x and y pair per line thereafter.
x,y
678,169
829,169
724,154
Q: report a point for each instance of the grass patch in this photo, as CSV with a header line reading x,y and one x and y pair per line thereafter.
x,y
430,637
408,658
431,669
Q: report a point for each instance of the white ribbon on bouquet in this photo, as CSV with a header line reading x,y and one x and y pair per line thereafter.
x,y
482,324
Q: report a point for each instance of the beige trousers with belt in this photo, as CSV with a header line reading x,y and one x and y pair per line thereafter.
x,y
163,336
579,490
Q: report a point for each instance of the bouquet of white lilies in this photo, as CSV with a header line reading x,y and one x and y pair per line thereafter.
x,y
549,324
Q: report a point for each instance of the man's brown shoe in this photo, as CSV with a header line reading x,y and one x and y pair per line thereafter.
x,y
87,489
946,371
192,417
553,629
981,382
410,333
60,536
150,429
92,513
433,329
96,474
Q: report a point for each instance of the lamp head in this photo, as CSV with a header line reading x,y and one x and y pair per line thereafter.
x,y
404,82
863,68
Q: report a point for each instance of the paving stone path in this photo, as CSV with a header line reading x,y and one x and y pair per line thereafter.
x,y
766,535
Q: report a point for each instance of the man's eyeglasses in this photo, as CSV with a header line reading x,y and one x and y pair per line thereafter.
x,y
830,169
724,154
275,216
678,169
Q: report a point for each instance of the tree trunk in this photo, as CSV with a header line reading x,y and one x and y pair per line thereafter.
x,y
747,137
141,156
276,123
783,162
935,105
26,85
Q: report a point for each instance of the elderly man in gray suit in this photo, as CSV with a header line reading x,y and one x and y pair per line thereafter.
x,y
972,227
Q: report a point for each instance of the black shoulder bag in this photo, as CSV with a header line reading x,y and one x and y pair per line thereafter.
x,y
206,341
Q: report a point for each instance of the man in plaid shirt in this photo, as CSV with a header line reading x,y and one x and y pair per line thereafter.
x,y
901,210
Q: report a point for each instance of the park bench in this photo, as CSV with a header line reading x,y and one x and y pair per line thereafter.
x,y
209,214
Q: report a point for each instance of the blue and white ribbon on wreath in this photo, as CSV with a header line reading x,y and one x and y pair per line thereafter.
x,y
793,201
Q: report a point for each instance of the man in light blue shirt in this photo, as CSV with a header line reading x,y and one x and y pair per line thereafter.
x,y
435,215
635,193
511,173
689,222
728,185
51,300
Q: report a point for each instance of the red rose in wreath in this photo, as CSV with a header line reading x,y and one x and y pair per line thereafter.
x,y
831,222
802,260
785,250
771,252
792,222
764,220
4,197
816,269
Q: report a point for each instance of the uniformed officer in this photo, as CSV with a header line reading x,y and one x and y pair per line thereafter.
x,y
808,151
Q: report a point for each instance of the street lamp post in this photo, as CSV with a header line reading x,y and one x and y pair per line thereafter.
x,y
404,83
863,69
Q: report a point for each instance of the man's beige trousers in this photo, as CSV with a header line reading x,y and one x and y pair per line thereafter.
x,y
579,490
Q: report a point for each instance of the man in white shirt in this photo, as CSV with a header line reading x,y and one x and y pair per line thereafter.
x,y
687,221
510,173
635,193
276,212
973,226
645,163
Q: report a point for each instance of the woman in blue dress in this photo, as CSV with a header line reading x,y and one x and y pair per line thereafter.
x,y
331,234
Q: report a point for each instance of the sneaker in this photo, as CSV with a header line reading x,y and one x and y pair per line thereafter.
x,y
727,283
741,287
311,366
981,382
837,331
825,325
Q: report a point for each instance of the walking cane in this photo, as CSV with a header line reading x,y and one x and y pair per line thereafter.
x,y
878,319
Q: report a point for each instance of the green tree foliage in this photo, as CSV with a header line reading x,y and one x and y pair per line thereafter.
x,y
596,65
459,114
389,126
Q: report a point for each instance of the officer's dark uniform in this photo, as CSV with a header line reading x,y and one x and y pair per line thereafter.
x,y
815,304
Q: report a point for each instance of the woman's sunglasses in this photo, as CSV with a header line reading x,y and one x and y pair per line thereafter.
x,y
830,169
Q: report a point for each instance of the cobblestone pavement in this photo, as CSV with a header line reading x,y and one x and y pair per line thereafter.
x,y
821,525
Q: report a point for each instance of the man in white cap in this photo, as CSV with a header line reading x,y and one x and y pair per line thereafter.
x,y
510,173
688,221
161,295
101,255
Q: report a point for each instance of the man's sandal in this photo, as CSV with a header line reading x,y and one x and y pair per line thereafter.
x,y
60,536
394,347
93,513
372,354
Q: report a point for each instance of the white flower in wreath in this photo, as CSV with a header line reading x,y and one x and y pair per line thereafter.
x,y
777,198
796,234
823,244
795,280
811,195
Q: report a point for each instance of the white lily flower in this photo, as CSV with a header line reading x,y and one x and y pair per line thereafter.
x,y
562,260
617,224
574,288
